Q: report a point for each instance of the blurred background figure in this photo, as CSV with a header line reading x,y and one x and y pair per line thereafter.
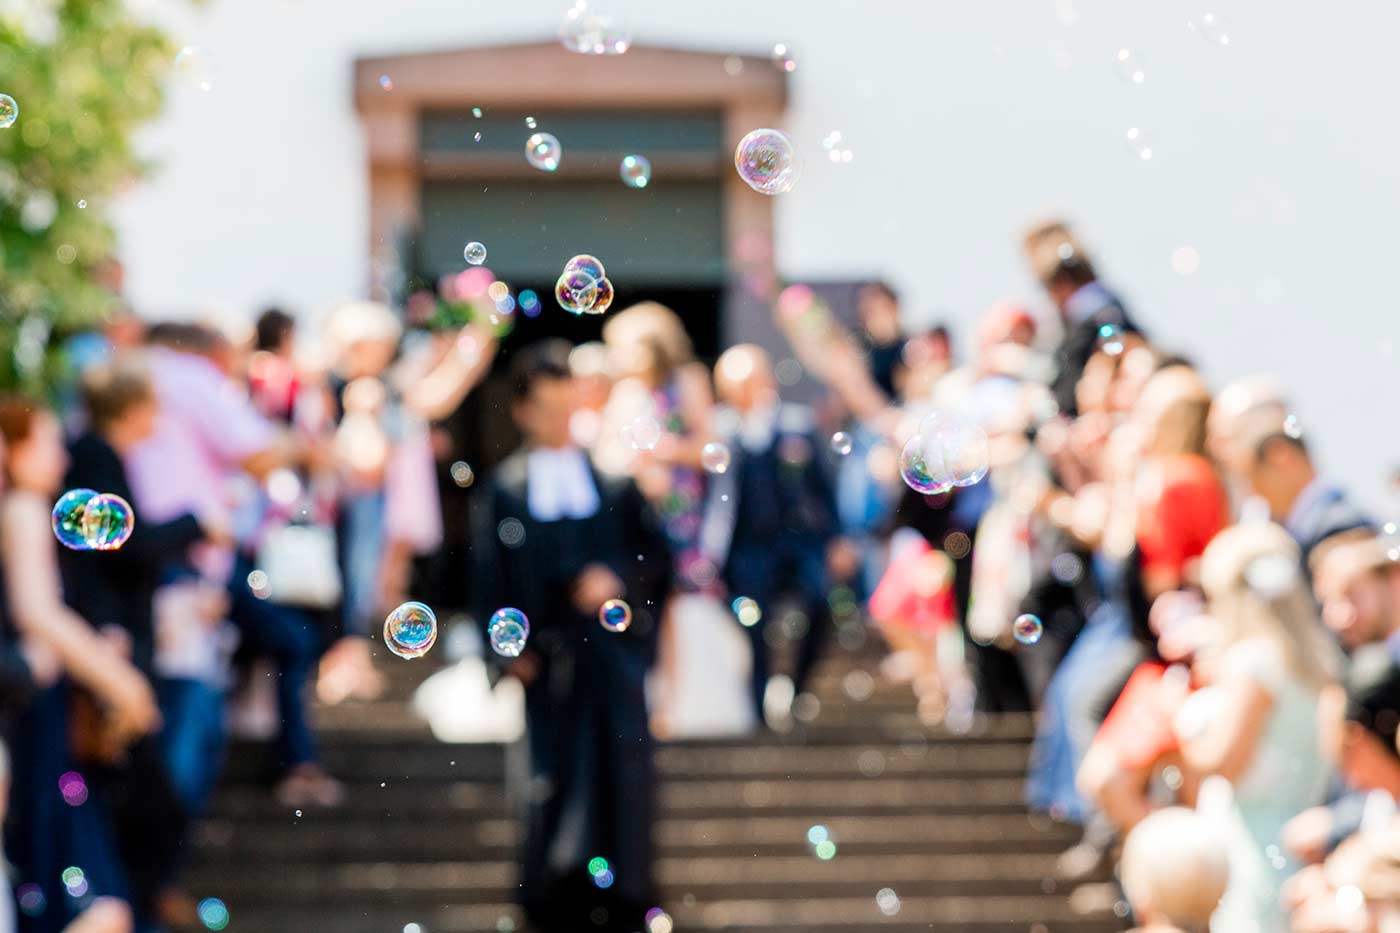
x,y
1174,872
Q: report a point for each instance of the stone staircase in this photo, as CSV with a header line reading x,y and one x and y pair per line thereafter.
x,y
426,836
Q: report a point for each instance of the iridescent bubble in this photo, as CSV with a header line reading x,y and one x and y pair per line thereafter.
x,y
747,611
259,584
782,58
636,171
108,521
410,630
1211,28
192,68
543,151
1138,143
386,83
767,161
1027,629
615,615
842,443
9,111
474,253
955,447
645,433
576,291
715,457
597,865
594,27
590,265
916,472
604,299
604,879
529,302
213,914
74,881
67,518
73,788
508,630
1128,67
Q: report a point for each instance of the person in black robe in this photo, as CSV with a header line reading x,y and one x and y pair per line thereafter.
x,y
555,540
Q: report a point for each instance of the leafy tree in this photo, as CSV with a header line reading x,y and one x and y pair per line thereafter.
x,y
85,75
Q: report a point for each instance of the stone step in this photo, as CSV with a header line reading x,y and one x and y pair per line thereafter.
x,y
327,837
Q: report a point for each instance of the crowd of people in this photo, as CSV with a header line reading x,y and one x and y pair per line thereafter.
x,y
1207,630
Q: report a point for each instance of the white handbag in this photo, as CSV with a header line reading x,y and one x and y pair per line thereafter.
x,y
302,566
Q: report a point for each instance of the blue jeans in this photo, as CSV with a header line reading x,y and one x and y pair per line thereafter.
x,y
289,637
192,740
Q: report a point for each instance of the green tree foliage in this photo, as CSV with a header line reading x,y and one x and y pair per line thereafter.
x,y
85,75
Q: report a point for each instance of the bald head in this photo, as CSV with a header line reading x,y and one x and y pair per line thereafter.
x,y
744,377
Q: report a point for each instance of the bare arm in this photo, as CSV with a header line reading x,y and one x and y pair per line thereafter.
x,y
1228,743
440,390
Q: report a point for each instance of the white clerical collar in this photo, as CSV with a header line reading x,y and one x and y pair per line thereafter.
x,y
559,484
756,428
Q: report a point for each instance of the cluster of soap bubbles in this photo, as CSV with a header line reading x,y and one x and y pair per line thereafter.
x,y
615,616
544,151
410,630
474,253
9,111
635,171
767,161
823,846
87,520
213,914
601,872
508,631
949,450
1027,629
591,27
583,288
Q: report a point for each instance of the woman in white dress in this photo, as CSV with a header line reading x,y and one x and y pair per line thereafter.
x,y
1268,719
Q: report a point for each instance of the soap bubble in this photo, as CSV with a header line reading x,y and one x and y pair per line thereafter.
x,y
767,161
818,834
213,914
645,433
67,518
1211,28
916,471
1138,143
462,474
715,457
9,111
576,291
1027,629
543,151
192,67
593,27
475,253
604,298
590,265
1128,67
635,171
410,630
841,443
747,611
108,521
782,58
955,447
615,615
508,630
887,901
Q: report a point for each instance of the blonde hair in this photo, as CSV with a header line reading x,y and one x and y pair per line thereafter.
x,y
1179,401
657,328
1175,866
1253,577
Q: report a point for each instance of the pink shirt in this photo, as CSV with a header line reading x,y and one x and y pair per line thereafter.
x,y
207,427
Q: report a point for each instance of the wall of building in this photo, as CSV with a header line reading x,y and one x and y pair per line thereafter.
x,y
1273,158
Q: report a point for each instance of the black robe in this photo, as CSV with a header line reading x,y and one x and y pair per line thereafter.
x,y
588,783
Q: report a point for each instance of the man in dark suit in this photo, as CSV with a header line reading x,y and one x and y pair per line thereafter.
x,y
1091,313
770,519
556,540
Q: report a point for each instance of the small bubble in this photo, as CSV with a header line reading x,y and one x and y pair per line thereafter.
x,y
1027,629
476,112
386,83
1128,67
1138,143
462,474
782,58
887,901
842,443
474,253
82,205
747,611
767,161
530,123
9,113
615,615
714,456
410,630
508,630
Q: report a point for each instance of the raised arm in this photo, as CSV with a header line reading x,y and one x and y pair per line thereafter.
x,y
437,393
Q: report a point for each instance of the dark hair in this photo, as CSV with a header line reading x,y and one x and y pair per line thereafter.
x,y
1373,699
274,326
545,360
17,416
881,287
114,388
188,338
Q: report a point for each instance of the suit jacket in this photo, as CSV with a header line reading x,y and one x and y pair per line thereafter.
x,y
117,587
1080,341
779,494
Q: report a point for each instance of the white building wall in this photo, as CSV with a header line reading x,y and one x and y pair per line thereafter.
x,y
1275,157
